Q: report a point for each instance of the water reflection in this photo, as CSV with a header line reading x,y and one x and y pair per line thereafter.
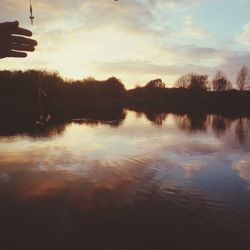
x,y
241,130
202,122
157,118
192,122
243,168
16,125
220,124
118,182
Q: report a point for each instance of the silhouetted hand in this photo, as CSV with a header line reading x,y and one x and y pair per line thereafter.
x,y
14,41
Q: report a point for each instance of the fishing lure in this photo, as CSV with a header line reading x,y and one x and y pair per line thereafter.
x,y
31,14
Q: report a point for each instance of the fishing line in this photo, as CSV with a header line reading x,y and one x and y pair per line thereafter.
x,y
41,93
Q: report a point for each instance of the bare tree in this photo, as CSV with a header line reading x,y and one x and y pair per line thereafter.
x,y
193,81
243,79
183,81
220,82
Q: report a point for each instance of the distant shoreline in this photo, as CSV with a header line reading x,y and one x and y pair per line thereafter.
x,y
33,93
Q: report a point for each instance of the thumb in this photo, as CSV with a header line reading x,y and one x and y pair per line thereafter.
x,y
8,26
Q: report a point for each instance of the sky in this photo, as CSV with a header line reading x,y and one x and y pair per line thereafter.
x,y
134,40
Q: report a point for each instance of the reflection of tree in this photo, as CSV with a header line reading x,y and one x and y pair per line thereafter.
x,y
138,114
192,122
50,131
111,117
16,125
183,122
94,123
241,130
156,118
27,126
220,124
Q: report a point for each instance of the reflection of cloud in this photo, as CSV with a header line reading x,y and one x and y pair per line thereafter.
x,y
128,163
40,174
192,167
44,172
197,148
243,169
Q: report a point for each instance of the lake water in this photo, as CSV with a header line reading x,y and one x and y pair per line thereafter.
x,y
144,181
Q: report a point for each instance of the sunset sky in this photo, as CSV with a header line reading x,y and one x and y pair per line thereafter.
x,y
134,40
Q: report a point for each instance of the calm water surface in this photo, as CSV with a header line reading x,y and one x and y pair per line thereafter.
x,y
147,181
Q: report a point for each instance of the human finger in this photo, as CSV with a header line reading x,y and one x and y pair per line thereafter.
x,y
8,27
21,31
18,54
23,40
22,47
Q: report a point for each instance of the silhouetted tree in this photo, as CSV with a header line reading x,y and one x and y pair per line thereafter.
x,y
19,92
89,80
138,86
220,82
17,84
199,82
115,87
183,81
157,83
193,81
243,79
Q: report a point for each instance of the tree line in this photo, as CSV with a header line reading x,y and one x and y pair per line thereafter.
x,y
26,83
195,81
220,82
31,83
42,90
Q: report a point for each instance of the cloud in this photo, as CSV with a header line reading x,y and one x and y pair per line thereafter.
x,y
179,59
79,38
190,29
130,15
146,67
244,37
243,169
